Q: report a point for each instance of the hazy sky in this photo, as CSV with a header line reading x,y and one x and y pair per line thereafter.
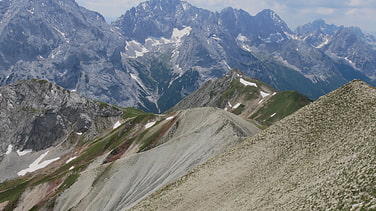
x,y
360,13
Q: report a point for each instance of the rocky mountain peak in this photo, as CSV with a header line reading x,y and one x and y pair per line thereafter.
x,y
315,27
269,15
158,19
271,27
36,114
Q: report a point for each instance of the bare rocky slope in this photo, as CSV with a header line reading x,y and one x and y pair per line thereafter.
x,y
36,115
198,135
321,157
140,154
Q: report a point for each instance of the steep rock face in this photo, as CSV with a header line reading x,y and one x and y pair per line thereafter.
x,y
348,46
262,46
184,44
317,33
66,44
37,114
325,149
351,46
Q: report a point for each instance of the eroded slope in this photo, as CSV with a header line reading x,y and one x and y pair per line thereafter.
x,y
196,136
321,157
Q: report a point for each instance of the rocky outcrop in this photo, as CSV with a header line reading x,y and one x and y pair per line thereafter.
x,y
321,157
36,114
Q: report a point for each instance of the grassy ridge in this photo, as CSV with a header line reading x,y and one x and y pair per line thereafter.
x,y
279,106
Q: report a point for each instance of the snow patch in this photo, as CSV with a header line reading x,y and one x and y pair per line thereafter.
x,y
287,64
242,38
9,150
24,152
37,164
70,159
116,125
177,34
274,37
185,6
135,49
31,11
80,134
236,106
246,48
353,64
292,36
264,94
215,37
326,41
247,83
273,115
150,124
170,118
135,77
71,168
226,64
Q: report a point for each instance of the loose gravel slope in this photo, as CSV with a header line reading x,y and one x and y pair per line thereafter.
x,y
198,135
321,157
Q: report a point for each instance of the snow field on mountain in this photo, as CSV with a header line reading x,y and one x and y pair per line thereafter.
x,y
116,125
150,124
247,83
9,150
37,164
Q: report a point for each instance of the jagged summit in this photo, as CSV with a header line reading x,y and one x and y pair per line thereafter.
x,y
316,26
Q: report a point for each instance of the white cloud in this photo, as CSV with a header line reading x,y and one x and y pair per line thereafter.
x,y
325,11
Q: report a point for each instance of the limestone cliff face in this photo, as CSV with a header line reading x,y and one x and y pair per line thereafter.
x,y
36,114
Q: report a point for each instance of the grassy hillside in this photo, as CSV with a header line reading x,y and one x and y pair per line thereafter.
x,y
279,106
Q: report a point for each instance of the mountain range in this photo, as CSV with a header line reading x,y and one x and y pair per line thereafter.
x,y
103,157
237,128
161,51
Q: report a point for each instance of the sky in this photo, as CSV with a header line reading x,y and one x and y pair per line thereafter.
x,y
361,13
